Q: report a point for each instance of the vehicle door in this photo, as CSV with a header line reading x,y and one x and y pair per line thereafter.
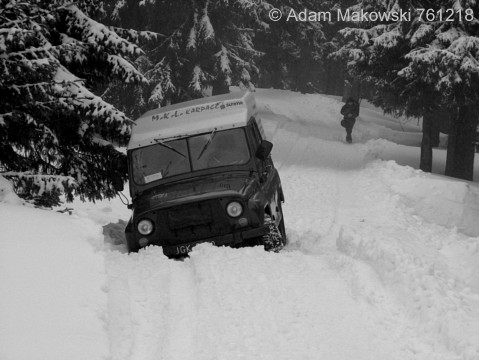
x,y
268,176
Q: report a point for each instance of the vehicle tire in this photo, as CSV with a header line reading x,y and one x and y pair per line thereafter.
x,y
273,240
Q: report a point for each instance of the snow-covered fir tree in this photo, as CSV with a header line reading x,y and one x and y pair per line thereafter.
x,y
295,52
211,45
424,67
56,133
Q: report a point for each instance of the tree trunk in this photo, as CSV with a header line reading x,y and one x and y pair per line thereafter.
x,y
461,147
451,149
435,134
426,143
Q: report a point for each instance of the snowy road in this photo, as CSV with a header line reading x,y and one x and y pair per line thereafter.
x,y
224,304
383,263
358,280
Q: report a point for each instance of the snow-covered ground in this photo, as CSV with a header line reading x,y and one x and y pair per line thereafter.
x,y
383,262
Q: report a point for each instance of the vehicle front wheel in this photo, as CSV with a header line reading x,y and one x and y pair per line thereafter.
x,y
273,240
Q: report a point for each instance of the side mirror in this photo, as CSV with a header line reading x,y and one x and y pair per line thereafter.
x,y
121,167
264,149
117,182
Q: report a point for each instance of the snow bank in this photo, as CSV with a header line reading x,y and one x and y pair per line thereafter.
x,y
51,279
7,195
445,202
438,199
406,232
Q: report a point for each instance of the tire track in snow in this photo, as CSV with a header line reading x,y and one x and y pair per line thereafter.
x,y
287,306
310,231
152,307
227,303
120,324
313,179
181,311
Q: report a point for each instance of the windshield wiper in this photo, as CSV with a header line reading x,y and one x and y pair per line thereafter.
x,y
159,142
212,135
167,170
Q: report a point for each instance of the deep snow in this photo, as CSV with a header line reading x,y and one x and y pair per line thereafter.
x,y
383,262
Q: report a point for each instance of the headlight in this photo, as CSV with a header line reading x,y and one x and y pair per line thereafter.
x,y
234,209
145,227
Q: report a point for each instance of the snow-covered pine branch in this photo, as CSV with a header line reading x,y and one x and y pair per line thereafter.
x,y
53,56
41,190
224,39
123,69
161,74
198,79
96,34
137,37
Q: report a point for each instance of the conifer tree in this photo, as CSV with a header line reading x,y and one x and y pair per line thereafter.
x,y
295,51
56,134
212,45
423,66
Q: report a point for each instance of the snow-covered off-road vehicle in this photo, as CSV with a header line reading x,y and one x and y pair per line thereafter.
x,y
201,171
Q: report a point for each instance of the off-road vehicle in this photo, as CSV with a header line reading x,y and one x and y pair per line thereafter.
x,y
201,171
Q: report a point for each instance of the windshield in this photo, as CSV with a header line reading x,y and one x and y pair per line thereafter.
x,y
211,150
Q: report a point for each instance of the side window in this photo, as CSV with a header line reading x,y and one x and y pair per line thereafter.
x,y
256,132
259,138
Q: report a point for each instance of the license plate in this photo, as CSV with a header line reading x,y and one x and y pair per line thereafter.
x,y
185,249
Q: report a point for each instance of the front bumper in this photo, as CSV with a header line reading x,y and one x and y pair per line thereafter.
x,y
228,239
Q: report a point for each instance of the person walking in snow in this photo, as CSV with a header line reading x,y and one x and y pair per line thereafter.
x,y
350,111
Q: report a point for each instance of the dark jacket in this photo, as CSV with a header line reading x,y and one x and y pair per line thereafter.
x,y
351,109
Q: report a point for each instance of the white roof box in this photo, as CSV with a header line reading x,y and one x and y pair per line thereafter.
x,y
192,117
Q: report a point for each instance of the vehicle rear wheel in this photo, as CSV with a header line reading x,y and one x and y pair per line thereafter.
x,y
273,240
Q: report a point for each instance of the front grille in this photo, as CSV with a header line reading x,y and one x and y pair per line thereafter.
x,y
186,216
193,222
